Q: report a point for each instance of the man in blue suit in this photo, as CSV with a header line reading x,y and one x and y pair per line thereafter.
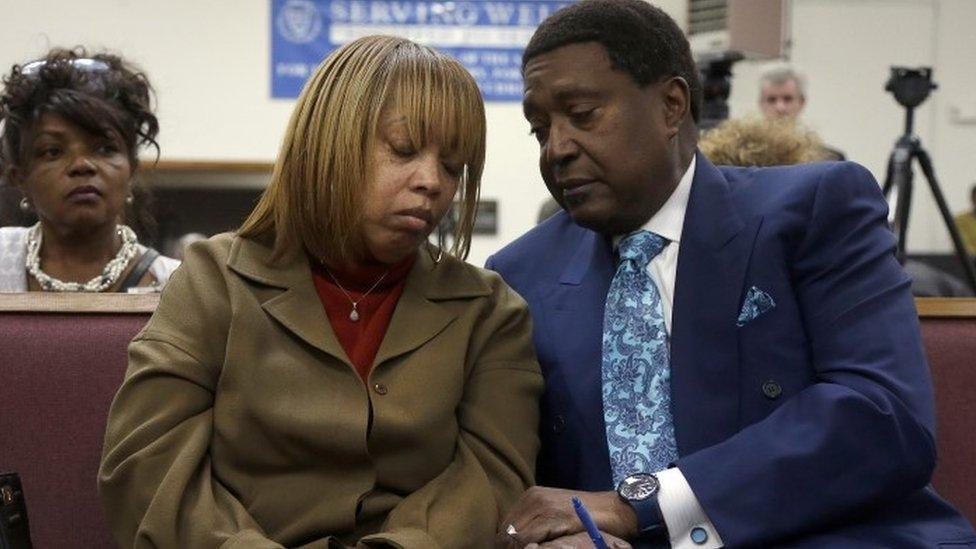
x,y
766,384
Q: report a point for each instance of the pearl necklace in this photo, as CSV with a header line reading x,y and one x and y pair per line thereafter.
x,y
110,275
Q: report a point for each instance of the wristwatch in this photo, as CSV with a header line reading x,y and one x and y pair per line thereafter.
x,y
640,490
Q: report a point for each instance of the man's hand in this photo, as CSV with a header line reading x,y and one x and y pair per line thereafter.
x,y
545,514
580,541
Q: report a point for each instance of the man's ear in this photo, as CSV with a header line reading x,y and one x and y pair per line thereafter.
x,y
677,103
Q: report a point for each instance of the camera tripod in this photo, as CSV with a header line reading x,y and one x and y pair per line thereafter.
x,y
911,87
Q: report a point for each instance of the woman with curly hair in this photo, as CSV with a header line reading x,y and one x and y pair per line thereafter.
x,y
72,126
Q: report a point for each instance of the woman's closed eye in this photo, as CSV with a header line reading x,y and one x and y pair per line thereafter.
x,y
454,169
403,150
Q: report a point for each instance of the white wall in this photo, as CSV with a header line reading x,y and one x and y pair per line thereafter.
x,y
845,47
208,60
210,64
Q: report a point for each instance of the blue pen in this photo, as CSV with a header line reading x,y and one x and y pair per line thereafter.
x,y
588,523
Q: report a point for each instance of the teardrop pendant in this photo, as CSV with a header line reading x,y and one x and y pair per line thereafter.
x,y
354,314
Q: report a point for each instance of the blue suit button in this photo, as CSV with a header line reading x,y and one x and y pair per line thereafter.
x,y
771,389
558,424
699,535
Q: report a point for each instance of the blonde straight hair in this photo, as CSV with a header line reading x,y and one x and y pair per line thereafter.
x,y
315,199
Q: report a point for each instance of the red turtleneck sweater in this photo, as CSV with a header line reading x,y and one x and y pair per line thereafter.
x,y
361,339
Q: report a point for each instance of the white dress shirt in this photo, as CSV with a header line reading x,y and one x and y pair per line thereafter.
x,y
682,512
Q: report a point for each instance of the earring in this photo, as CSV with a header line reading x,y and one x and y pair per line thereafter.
x,y
440,253
442,241
129,200
25,205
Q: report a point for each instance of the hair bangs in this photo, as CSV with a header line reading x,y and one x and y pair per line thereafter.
x,y
442,103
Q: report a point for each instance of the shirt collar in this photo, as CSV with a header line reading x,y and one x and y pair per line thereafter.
x,y
669,220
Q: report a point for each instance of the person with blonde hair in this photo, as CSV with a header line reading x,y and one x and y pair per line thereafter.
x,y
325,377
755,141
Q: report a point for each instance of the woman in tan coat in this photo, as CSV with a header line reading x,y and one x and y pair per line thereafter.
x,y
325,377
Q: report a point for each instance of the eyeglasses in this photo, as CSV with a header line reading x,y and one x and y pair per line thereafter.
x,y
81,63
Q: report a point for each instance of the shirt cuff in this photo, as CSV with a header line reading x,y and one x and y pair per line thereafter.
x,y
688,526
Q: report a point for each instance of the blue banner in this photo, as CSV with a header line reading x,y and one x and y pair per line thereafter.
x,y
487,36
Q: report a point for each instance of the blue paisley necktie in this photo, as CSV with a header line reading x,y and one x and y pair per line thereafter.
x,y
636,365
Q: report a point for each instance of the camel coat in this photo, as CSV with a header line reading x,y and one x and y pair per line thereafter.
x,y
242,423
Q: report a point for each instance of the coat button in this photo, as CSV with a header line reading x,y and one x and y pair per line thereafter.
x,y
380,389
771,389
558,424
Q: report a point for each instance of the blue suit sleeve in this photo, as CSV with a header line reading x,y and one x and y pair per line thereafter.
x,y
861,434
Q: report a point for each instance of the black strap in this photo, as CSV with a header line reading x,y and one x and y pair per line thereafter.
x,y
139,270
14,526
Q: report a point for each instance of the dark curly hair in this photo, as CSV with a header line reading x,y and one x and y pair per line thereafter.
x,y
99,100
641,40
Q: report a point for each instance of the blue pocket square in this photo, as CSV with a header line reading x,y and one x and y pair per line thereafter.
x,y
756,303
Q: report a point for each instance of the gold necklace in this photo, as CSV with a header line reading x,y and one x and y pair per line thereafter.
x,y
354,313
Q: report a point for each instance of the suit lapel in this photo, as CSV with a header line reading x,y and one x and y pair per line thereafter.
x,y
574,319
593,256
715,249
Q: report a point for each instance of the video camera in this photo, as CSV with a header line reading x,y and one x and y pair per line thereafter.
x,y
910,86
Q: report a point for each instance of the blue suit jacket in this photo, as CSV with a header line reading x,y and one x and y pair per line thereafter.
x,y
842,456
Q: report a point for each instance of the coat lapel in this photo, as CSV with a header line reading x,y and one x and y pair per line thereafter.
x,y
418,316
292,299
715,250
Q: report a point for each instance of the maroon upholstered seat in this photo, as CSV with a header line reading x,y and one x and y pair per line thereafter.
x,y
58,374
949,333
62,359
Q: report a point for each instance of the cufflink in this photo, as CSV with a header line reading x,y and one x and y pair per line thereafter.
x,y
699,535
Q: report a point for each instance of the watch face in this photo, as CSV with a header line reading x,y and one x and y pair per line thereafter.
x,y
638,487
